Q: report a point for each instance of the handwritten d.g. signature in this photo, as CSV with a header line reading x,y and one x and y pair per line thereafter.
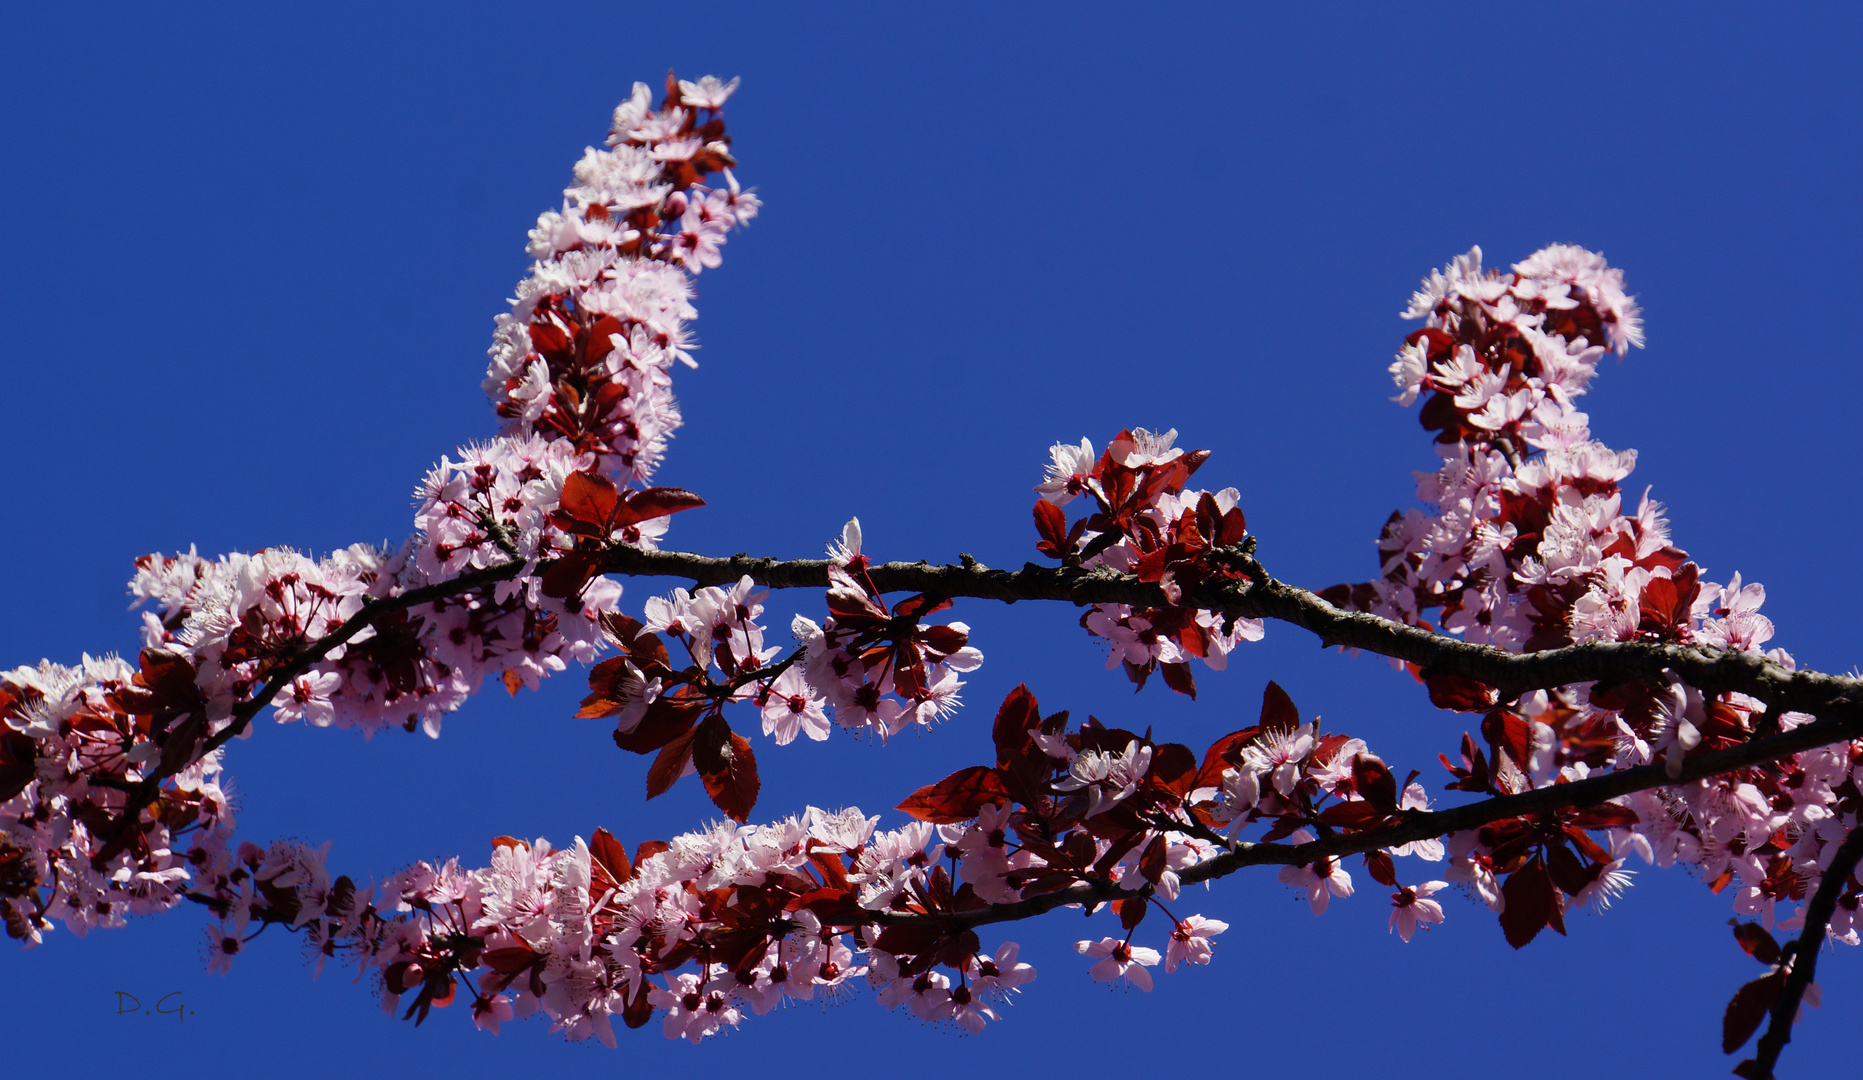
x,y
129,1003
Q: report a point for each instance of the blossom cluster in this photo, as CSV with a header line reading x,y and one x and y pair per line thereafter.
x,y
74,743
1532,545
875,665
586,351
737,918
580,372
700,930
1146,523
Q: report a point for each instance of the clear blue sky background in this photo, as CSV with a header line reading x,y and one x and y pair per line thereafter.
x,y
252,260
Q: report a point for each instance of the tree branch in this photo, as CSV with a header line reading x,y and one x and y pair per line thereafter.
x,y
1425,825
1805,955
1512,674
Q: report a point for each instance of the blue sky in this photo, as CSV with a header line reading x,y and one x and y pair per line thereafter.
x,y
254,256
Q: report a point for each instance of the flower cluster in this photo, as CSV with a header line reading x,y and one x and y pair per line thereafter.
x,y
878,668
1146,524
699,931
586,352
1532,546
502,579
74,743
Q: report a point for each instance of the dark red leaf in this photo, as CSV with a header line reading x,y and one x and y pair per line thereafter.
x,y
608,863
1506,731
1749,1006
1277,709
908,939
1051,523
670,765
1530,903
834,907
639,1010
1174,768
1220,756
590,498
655,502
1131,911
1017,715
647,849
1757,942
1350,815
957,797
1382,870
1567,872
1179,678
1373,779
728,767
1153,863
668,718
1605,816
1460,694
917,606
570,572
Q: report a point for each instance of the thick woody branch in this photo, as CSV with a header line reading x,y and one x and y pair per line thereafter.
x,y
1805,954
1710,670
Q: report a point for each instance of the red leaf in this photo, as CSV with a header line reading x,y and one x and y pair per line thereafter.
x,y
670,765
668,718
1605,816
728,767
569,573
1757,942
608,863
655,502
1233,528
639,1010
647,849
1131,911
1173,768
1277,709
590,498
1349,815
1179,678
1379,865
1051,523
1749,1006
1217,757
834,907
1373,779
908,939
1530,903
1460,694
600,340
957,797
1153,863
1014,718
1506,731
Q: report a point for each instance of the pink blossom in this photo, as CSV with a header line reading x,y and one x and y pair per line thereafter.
x,y
1119,960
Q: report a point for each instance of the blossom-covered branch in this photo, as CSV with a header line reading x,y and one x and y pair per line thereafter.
x,y
1623,706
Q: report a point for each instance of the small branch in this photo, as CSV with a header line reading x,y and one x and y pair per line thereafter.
x,y
1805,953
1425,825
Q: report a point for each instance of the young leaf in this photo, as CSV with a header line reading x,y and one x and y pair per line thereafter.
x,y
957,797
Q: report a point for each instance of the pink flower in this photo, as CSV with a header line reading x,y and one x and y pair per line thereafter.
x,y
1190,941
1119,960
1412,907
1068,468
790,706
1322,880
